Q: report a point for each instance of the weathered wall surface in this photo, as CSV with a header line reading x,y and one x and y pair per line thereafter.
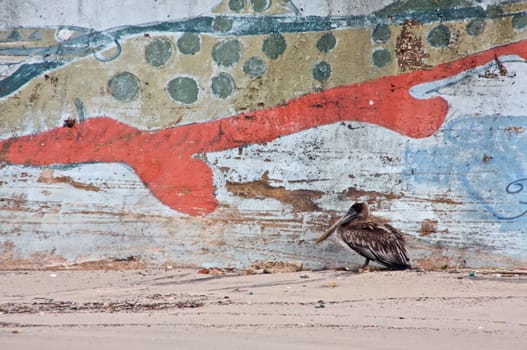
x,y
207,133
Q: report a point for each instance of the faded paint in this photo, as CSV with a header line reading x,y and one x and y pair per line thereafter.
x,y
234,137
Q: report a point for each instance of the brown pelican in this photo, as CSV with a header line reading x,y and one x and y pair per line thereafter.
x,y
381,243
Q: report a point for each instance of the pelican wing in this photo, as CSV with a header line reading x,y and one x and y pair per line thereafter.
x,y
378,242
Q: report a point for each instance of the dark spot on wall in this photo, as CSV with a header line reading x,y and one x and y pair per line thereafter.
x,y
52,79
515,129
69,123
35,93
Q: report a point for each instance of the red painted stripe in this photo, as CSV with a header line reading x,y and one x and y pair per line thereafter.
x,y
163,159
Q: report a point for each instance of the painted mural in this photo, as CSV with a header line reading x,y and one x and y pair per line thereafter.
x,y
257,123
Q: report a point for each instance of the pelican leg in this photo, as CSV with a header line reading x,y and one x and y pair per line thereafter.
x,y
366,262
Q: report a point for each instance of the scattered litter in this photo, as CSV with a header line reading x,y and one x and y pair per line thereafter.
x,y
304,276
331,284
261,267
320,304
471,274
216,271
53,275
57,306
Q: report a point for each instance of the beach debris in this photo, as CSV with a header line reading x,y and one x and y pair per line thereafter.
x,y
331,284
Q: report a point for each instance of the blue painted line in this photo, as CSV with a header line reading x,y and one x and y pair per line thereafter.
x,y
24,74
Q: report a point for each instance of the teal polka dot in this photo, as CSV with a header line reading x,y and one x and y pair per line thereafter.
x,y
326,43
254,67
381,57
381,33
223,85
439,36
260,5
519,21
236,5
158,52
274,45
35,36
14,36
321,71
183,89
124,87
189,43
476,26
227,53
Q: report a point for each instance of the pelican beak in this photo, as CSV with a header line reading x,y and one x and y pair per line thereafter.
x,y
350,215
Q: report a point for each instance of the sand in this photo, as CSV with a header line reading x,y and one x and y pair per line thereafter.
x,y
184,309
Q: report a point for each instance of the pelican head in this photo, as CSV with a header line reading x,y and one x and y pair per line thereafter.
x,y
358,211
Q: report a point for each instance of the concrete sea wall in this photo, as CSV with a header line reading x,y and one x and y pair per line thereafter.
x,y
223,133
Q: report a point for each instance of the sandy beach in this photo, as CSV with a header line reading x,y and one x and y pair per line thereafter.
x,y
218,309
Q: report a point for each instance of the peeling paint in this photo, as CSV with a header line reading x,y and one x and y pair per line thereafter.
x,y
300,200
46,176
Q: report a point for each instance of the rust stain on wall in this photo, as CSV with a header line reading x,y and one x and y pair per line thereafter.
x,y
46,176
409,48
10,260
356,194
301,200
427,227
